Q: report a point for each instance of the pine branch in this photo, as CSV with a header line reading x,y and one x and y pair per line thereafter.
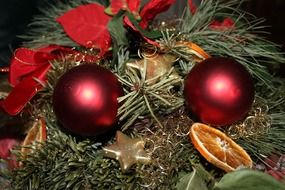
x,y
144,100
67,162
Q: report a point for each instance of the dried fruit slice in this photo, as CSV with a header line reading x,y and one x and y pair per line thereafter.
x,y
36,133
218,148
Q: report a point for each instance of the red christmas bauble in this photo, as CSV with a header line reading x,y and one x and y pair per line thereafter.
x,y
220,91
85,100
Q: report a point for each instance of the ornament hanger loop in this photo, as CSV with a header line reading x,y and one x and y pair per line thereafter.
x,y
180,133
147,53
257,122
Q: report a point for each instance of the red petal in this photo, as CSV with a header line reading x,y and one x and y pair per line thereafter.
x,y
226,24
116,6
134,6
128,5
152,8
87,25
192,6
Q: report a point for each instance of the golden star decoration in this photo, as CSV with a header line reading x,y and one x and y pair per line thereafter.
x,y
127,151
157,66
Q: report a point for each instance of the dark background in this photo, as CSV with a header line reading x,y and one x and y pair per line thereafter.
x,y
274,13
14,18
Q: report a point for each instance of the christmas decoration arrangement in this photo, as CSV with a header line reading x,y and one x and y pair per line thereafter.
x,y
107,96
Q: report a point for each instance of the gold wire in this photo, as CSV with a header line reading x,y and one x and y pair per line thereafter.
x,y
257,122
142,52
163,144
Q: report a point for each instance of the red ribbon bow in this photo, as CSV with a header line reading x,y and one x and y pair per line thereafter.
x,y
27,75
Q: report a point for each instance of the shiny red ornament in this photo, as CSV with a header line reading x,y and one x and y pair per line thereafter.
x,y
220,91
85,100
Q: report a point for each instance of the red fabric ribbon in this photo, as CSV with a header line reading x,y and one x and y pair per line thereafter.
x,y
27,75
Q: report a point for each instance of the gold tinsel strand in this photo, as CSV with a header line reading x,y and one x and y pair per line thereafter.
x,y
256,123
166,145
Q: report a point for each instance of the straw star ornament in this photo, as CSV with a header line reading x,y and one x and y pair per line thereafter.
x,y
127,151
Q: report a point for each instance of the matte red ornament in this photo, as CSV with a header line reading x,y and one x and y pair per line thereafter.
x,y
85,100
220,91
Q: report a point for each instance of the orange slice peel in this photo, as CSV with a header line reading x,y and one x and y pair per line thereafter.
x,y
219,149
36,133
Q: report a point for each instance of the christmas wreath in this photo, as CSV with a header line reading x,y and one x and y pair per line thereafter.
x,y
113,98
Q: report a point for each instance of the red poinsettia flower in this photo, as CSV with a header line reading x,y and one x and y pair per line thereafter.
x,y
149,11
88,24
192,6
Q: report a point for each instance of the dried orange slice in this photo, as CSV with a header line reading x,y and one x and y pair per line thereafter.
x,y
218,149
36,133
